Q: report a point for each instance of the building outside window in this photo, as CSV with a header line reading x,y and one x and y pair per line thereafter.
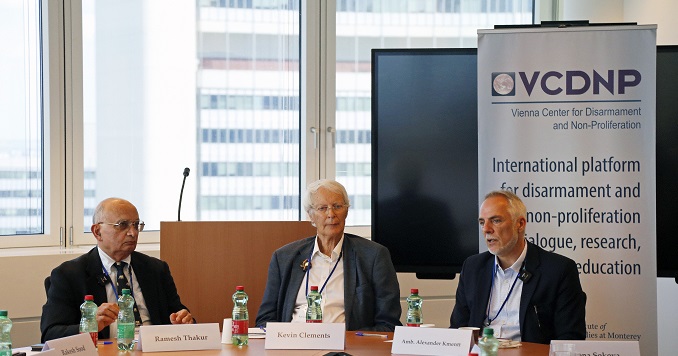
x,y
213,85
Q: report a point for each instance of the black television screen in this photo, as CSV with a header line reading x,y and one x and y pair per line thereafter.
x,y
424,158
667,160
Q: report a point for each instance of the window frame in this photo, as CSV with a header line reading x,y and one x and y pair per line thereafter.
x,y
64,127
52,63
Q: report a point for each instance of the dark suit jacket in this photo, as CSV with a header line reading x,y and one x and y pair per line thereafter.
x,y
74,279
371,290
552,306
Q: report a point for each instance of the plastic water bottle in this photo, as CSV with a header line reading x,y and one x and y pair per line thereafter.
x,y
126,321
240,317
88,319
314,311
488,344
415,317
5,337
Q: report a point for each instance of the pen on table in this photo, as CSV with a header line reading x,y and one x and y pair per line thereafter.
x,y
366,334
262,328
104,342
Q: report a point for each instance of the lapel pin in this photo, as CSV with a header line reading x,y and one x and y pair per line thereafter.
x,y
306,264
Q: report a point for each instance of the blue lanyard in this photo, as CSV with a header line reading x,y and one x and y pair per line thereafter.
x,y
328,277
110,280
489,303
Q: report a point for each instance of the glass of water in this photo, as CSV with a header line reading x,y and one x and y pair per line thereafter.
x,y
562,349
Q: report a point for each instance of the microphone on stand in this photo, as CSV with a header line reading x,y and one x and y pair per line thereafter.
x,y
186,172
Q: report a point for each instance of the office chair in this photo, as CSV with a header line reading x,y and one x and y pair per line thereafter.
x,y
48,283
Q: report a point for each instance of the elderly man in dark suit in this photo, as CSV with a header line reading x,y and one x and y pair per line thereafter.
x,y
517,288
116,227
355,276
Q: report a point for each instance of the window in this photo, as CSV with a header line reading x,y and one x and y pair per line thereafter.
x,y
21,141
115,98
173,86
363,25
28,213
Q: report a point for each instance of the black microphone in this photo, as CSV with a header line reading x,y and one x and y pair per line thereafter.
x,y
186,172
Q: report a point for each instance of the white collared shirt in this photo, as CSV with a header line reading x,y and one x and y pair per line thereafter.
x,y
333,293
506,325
112,272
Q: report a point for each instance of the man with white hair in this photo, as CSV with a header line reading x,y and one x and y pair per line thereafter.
x,y
354,275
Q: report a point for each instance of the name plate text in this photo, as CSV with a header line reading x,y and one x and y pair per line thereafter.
x,y
179,337
602,347
76,345
431,341
305,336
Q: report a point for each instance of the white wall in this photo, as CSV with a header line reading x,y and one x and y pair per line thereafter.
x,y
598,11
643,12
660,12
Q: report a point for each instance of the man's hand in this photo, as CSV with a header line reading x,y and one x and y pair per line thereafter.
x,y
107,313
183,316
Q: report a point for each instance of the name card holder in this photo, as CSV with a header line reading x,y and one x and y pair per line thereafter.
x,y
76,345
179,337
602,347
305,336
431,341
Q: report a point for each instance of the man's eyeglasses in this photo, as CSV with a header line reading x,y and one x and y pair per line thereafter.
x,y
124,225
335,207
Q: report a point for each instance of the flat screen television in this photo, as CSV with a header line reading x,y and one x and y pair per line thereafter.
x,y
667,161
424,158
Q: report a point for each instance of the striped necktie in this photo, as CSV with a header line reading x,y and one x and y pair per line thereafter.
x,y
123,283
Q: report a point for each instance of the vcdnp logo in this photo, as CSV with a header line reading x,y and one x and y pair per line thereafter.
x,y
572,82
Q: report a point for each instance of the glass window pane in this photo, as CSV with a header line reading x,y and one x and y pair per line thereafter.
x,y
169,85
22,192
365,24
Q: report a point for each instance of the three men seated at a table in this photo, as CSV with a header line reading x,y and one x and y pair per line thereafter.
x,y
517,288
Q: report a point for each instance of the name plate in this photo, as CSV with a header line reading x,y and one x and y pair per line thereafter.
x,y
602,347
80,345
305,336
431,341
179,337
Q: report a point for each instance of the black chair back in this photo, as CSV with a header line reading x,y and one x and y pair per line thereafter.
x,y
48,283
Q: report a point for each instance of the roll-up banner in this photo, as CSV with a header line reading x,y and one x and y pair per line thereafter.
x,y
566,120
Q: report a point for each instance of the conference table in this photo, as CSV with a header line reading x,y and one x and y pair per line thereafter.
x,y
355,345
